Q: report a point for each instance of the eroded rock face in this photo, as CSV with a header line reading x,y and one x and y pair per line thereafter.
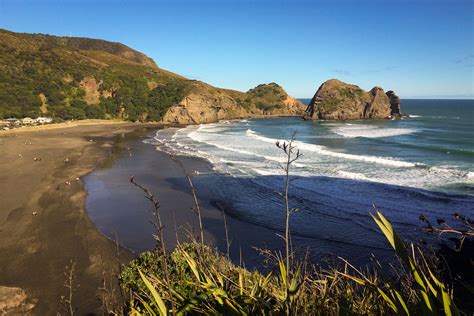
x,y
91,87
377,107
291,106
202,108
337,100
394,104
13,301
211,105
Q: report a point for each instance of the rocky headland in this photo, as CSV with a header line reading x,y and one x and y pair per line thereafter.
x,y
206,104
337,100
70,78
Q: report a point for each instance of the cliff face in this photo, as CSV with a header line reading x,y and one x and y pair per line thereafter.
x,y
337,100
206,104
394,103
197,108
77,78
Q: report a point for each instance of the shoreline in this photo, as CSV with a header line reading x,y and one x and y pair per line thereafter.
x,y
43,200
65,124
43,221
318,226
118,208
88,122
113,143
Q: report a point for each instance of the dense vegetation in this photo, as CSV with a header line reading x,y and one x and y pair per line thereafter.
x,y
76,78
44,75
268,96
204,281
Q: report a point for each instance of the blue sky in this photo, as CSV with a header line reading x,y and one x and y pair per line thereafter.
x,y
421,48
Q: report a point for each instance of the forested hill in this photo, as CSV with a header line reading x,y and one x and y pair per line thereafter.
x,y
76,78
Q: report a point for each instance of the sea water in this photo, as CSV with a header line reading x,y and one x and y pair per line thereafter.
x,y
405,168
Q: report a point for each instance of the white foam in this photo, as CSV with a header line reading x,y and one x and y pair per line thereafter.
x,y
352,175
279,159
238,151
368,131
264,172
445,117
210,128
451,173
372,159
253,134
323,151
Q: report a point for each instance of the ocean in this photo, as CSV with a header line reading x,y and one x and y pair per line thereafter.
x,y
422,165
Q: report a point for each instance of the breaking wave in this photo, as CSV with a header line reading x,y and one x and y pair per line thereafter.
x,y
238,148
368,131
324,151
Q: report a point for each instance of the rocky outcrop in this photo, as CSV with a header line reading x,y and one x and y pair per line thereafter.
x,y
337,100
377,107
13,301
292,106
203,108
206,104
91,88
394,104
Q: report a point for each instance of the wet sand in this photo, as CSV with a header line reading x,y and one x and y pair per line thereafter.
x,y
43,223
120,209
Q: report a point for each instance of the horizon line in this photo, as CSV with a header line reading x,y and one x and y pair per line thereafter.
x,y
419,98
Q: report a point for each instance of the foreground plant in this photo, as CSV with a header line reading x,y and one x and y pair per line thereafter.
x,y
160,237
432,295
196,279
207,283
291,155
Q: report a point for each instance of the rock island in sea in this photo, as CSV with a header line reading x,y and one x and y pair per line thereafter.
x,y
337,100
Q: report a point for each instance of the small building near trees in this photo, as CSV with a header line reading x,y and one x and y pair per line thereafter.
x,y
44,120
27,121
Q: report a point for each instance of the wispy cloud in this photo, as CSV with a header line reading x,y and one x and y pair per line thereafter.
x,y
342,72
465,59
383,69
346,72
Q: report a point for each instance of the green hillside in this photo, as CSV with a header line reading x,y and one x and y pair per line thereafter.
x,y
267,96
44,75
78,78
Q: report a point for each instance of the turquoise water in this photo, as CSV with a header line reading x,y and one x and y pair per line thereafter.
x,y
437,138
419,165
433,149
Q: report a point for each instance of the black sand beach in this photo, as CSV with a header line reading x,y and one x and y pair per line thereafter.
x,y
120,209
43,223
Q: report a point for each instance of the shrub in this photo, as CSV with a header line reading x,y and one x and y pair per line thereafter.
x,y
196,279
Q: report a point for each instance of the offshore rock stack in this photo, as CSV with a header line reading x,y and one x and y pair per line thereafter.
x,y
337,100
